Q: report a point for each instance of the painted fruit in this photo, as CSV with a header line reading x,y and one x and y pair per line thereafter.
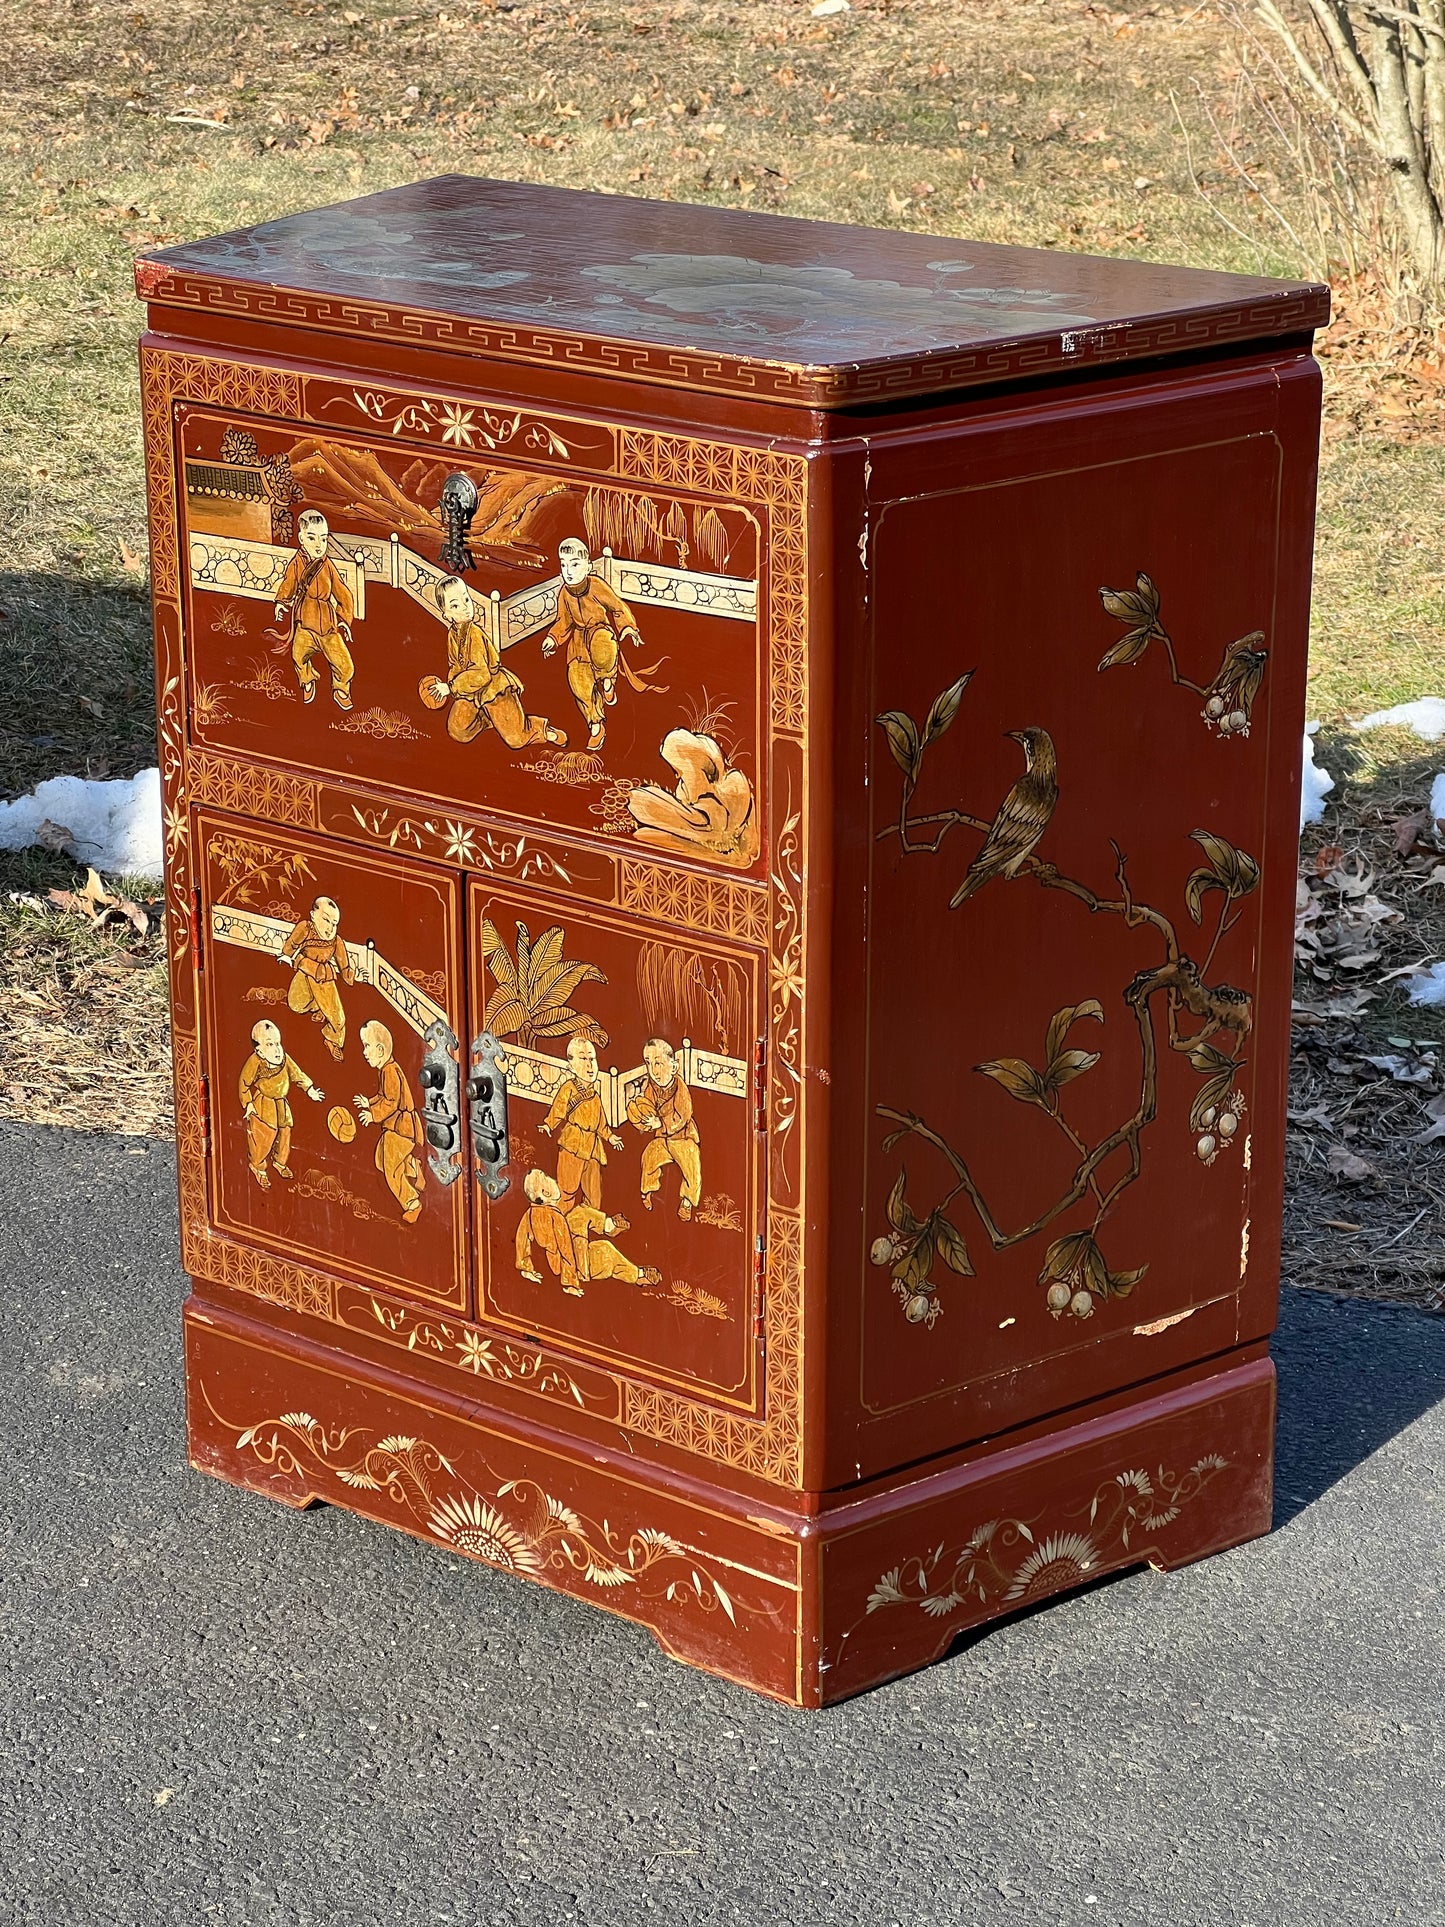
x,y
341,1124
1082,1304
917,1308
1228,1124
1215,706
1059,1296
1206,1117
1237,719
1207,1145
880,1252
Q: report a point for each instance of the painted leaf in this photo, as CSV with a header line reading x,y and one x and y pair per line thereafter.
x,y
505,1013
902,734
1200,881
498,957
1121,1283
1127,649
1235,869
951,1247
1210,1095
916,1263
1063,1020
1018,1078
561,1021
524,962
546,955
945,708
899,1215
1207,1060
1125,606
558,984
1071,1064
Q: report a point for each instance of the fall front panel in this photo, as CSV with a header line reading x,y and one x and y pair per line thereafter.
x,y
558,647
332,1005
629,1229
1071,783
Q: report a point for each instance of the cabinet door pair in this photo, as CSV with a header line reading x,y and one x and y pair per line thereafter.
x,y
343,993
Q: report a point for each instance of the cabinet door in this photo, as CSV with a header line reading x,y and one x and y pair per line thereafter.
x,y
560,657
332,985
629,1228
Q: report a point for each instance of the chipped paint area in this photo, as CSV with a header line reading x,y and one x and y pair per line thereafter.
x,y
1162,1324
1244,1248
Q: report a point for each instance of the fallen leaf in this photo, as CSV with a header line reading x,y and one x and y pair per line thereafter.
x,y
129,560
1339,1224
1347,1167
54,836
1408,831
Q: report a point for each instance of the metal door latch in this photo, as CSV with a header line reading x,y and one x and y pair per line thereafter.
x,y
487,1104
455,510
441,1102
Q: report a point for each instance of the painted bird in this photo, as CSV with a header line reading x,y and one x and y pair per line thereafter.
x,y
1022,819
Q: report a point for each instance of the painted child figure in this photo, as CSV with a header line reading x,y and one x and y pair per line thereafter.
x,y
393,1108
576,1244
581,1126
663,1107
592,623
482,693
318,959
315,595
265,1086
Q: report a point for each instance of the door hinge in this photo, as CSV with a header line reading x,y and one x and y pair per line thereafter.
x,y
760,1087
203,1109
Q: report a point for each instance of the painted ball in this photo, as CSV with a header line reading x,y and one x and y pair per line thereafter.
x,y
1082,1304
433,691
341,1124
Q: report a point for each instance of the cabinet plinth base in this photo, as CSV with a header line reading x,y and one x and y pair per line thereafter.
x,y
806,1606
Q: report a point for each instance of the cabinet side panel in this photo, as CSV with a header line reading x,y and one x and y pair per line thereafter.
x,y
1075,708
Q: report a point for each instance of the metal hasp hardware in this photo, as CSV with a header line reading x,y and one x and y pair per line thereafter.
x,y
441,1115
487,1106
455,510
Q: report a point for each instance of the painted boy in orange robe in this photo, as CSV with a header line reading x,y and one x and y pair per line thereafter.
x,y
265,1086
576,1244
581,1125
483,693
318,959
592,622
663,1107
398,1148
321,609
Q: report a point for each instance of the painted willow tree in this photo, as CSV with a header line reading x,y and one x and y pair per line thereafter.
x,y
1379,69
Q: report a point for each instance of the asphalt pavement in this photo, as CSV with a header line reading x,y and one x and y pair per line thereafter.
x,y
216,1710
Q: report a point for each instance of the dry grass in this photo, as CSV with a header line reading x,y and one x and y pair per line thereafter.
x,y
1050,122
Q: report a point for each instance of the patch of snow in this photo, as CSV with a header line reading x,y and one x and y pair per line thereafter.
x,y
1426,717
1315,785
1430,987
114,827
1437,797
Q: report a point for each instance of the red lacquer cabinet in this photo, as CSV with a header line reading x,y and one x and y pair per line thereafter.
x,y
730,810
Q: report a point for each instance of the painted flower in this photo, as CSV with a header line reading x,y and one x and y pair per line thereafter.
x,y
1063,1559
461,843
457,425
787,979
479,1530
473,1353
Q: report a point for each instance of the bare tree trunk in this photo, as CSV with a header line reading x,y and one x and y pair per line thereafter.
x,y
1384,79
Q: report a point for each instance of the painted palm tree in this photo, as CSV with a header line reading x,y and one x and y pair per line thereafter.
x,y
531,1000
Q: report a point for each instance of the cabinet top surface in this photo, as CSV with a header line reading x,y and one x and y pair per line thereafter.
x,y
804,311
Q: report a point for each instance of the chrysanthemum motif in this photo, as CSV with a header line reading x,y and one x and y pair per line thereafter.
x,y
473,1353
478,1529
1063,1559
457,424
